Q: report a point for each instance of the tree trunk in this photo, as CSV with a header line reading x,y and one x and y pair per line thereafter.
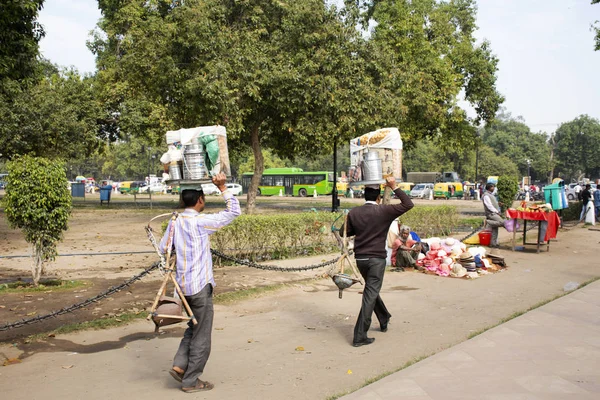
x,y
37,263
258,169
387,195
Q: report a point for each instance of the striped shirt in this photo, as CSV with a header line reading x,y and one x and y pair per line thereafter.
x,y
192,244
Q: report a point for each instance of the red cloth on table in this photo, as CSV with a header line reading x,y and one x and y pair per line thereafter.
x,y
551,217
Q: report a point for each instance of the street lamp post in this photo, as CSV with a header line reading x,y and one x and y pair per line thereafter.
x,y
528,171
149,169
334,195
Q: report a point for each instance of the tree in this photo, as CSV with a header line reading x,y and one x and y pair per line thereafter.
x,y
508,187
37,201
423,56
512,138
20,34
285,75
57,117
576,148
597,29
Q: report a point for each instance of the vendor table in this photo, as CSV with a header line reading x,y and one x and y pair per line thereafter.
x,y
551,218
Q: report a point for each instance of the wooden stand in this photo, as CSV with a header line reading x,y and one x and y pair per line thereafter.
x,y
170,263
342,280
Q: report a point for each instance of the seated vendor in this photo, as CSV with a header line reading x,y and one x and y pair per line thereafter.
x,y
405,250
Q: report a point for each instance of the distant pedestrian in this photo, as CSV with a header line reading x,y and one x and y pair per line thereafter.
x,y
597,203
493,217
586,195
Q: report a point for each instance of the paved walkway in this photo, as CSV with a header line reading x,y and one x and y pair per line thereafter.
x,y
552,352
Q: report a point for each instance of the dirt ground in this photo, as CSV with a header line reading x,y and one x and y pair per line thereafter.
x,y
294,343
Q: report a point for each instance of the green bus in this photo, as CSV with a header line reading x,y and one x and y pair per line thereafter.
x,y
291,181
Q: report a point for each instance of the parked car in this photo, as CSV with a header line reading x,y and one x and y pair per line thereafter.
x,y
235,188
154,188
572,193
421,190
210,188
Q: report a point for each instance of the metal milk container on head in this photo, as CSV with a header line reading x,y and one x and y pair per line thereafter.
x,y
371,166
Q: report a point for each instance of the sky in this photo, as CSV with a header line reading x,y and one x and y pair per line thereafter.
x,y
548,69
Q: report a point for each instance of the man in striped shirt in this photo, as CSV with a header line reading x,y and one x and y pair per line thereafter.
x,y
195,276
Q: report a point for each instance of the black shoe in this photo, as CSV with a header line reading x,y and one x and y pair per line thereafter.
x,y
364,342
384,326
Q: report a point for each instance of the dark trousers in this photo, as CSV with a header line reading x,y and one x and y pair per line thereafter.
x,y
194,348
372,271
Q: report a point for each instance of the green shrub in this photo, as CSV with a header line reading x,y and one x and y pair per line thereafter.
x,y
573,212
279,236
508,187
432,221
39,203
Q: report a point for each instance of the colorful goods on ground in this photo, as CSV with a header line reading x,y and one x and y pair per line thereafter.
x,y
450,257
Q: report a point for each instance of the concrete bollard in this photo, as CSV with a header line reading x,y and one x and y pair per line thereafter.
x,y
280,192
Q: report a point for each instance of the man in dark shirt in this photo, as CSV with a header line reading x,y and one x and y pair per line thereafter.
x,y
369,225
586,195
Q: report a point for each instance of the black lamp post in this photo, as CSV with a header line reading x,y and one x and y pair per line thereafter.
x,y
477,136
334,195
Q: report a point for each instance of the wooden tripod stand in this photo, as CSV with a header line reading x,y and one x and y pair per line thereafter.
x,y
341,279
164,305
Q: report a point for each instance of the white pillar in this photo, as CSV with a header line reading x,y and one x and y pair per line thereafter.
x,y
527,195
315,194
280,192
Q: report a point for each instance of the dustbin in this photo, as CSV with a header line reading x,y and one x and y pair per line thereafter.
x,y
555,195
105,192
78,189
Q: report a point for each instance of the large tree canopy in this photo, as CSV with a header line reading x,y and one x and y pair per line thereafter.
x,y
576,145
56,117
293,75
285,75
512,138
424,56
20,34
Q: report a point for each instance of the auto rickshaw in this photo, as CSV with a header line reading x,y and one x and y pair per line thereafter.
x,y
342,188
447,190
125,187
406,187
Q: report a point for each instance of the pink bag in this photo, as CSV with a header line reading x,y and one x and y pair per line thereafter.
x,y
512,225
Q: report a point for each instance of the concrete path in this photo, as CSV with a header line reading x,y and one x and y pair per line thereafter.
x,y
295,343
552,352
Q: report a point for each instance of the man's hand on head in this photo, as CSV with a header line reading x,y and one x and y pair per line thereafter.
x,y
390,181
219,181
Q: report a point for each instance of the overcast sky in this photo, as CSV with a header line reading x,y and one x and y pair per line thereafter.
x,y
548,71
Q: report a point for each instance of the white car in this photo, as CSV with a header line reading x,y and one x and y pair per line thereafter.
x,y
210,188
421,190
235,188
154,188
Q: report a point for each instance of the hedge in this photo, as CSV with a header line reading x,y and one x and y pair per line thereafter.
x,y
279,236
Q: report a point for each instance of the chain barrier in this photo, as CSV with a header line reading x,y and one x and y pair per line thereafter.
x,y
82,304
252,264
